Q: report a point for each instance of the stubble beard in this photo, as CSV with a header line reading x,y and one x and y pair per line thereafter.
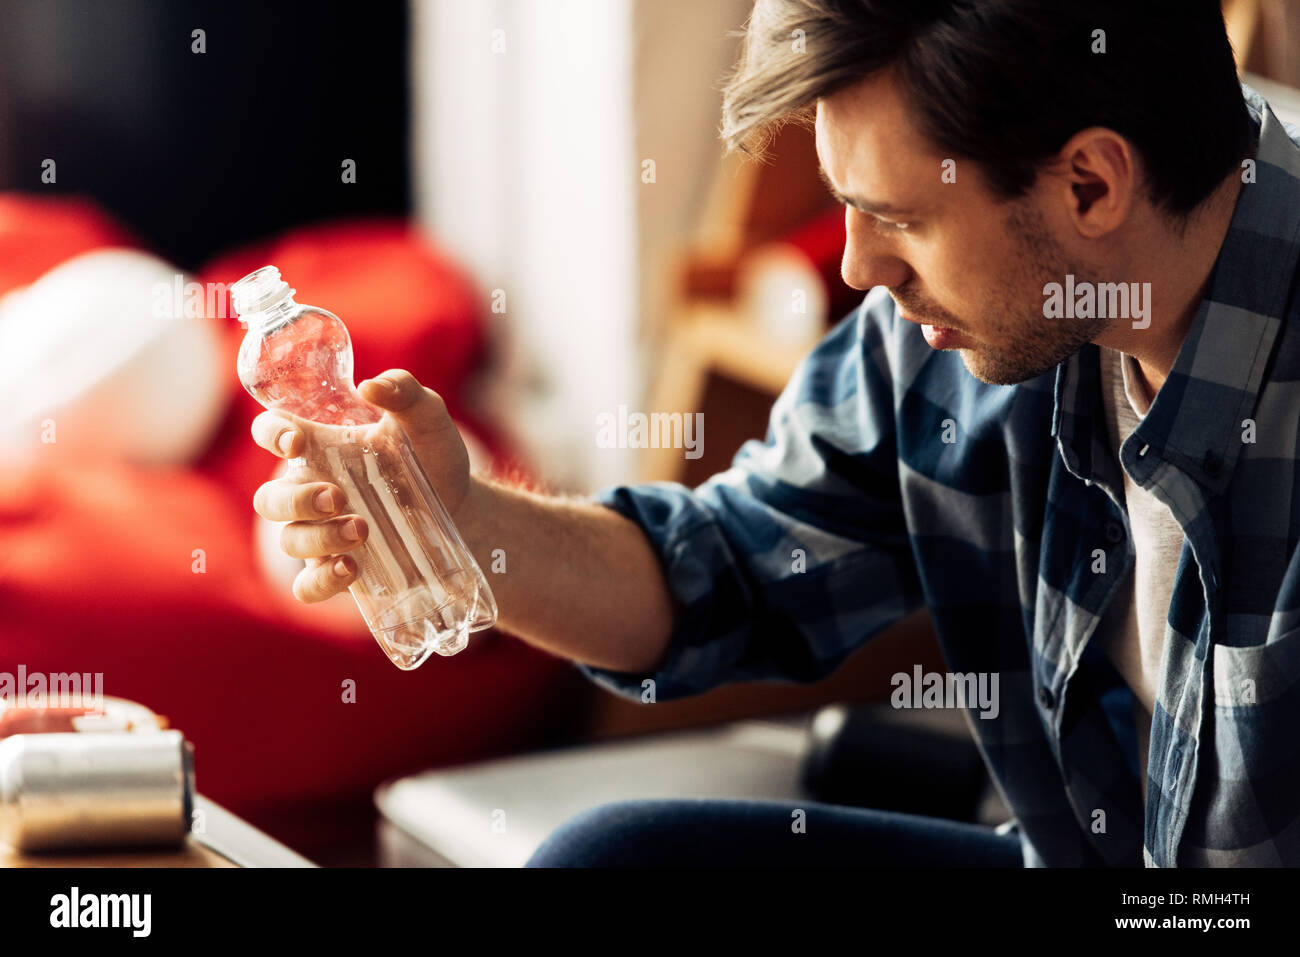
x,y
1024,342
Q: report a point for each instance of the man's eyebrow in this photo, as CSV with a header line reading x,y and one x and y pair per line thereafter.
x,y
861,205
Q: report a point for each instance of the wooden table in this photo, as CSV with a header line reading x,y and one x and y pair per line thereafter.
x,y
226,841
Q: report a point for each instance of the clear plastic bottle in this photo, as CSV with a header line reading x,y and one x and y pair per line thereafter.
x,y
418,587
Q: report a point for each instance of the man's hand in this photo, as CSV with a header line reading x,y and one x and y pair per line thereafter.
x,y
318,529
583,581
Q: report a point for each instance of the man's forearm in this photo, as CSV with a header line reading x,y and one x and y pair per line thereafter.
x,y
572,577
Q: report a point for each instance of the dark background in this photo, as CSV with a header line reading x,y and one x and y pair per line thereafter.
x,y
198,152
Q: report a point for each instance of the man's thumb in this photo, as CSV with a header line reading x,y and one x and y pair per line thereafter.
x,y
397,391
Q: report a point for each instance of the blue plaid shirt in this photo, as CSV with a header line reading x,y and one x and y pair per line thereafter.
x,y
998,532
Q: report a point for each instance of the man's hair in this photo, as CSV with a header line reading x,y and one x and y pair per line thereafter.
x,y
1006,83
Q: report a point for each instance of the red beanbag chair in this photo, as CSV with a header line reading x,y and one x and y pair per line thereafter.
x,y
38,232
148,578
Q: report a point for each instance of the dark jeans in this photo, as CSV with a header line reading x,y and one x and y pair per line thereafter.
x,y
750,833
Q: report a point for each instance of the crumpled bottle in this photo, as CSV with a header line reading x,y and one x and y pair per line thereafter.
x,y
418,587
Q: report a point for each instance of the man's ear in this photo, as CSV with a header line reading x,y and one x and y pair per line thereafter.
x,y
1099,180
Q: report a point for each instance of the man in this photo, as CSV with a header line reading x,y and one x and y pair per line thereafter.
x,y
1064,419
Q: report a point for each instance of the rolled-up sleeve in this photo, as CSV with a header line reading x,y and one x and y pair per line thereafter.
x,y
784,564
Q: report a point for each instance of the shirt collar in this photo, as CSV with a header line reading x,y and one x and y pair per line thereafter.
x,y
1195,421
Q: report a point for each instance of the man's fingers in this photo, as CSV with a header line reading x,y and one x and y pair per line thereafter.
x,y
396,390
316,539
420,410
284,500
277,435
324,578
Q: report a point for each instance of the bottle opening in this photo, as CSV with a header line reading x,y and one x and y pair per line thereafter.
x,y
258,292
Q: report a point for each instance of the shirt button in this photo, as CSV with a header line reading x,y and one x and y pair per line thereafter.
x,y
1114,532
1045,698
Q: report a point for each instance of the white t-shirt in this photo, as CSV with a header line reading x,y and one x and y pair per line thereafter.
x,y
1133,628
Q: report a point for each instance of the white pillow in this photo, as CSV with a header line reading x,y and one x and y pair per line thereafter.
x,y
97,359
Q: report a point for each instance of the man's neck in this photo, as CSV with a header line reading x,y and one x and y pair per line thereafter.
x,y
1178,266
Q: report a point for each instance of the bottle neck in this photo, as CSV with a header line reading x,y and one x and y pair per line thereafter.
x,y
263,300
271,316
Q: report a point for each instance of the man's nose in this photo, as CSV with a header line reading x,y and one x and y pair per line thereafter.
x,y
869,258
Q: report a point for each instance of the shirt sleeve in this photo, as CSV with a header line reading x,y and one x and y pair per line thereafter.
x,y
787,562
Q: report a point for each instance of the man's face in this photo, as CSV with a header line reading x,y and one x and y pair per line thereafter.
x,y
969,267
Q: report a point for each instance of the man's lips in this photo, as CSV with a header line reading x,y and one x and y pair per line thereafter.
x,y
937,337
922,322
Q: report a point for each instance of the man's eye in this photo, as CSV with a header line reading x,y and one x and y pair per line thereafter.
x,y
889,226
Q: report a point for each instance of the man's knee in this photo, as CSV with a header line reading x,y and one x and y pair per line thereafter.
x,y
615,834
